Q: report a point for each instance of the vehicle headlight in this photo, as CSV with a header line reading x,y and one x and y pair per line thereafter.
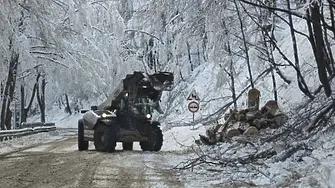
x,y
104,115
148,116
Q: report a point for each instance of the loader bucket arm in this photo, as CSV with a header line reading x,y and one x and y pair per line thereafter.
x,y
162,81
137,85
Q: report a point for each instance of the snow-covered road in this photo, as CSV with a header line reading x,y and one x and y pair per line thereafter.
x,y
51,159
54,161
59,164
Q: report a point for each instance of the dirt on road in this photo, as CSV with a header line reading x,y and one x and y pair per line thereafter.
x,y
59,164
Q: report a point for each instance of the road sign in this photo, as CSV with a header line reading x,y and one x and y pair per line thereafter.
x,y
193,96
193,106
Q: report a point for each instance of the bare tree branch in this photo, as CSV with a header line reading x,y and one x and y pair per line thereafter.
x,y
144,32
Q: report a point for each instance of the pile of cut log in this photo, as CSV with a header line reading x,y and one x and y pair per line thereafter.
x,y
247,121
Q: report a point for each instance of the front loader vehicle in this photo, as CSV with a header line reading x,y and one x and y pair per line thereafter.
x,y
126,115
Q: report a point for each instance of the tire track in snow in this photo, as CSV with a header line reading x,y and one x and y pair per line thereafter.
x,y
59,164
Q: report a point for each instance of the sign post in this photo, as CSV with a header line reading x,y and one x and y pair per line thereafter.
x,y
194,104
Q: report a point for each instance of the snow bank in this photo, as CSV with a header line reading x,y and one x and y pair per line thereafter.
x,y
181,138
320,166
302,170
68,121
203,80
30,140
59,117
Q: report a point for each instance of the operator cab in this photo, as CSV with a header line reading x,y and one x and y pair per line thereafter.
x,y
142,107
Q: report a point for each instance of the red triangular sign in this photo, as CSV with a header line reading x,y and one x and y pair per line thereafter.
x,y
193,96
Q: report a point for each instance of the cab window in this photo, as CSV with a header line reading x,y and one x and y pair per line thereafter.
x,y
122,104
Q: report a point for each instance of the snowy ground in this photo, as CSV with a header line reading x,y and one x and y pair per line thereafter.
x,y
31,140
300,170
314,170
318,170
55,154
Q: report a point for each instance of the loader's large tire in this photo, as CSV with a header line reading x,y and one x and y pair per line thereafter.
x,y
128,146
155,141
82,144
105,137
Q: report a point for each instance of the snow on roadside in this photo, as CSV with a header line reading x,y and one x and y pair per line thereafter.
x,y
55,115
30,140
59,117
63,119
300,170
180,138
68,121
321,164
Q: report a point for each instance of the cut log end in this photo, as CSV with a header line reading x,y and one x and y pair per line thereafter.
x,y
232,132
251,131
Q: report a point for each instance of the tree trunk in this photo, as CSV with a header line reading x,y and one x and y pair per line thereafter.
x,y
41,99
328,51
233,91
189,55
68,104
1,89
231,74
9,90
331,9
3,112
22,103
198,54
294,41
245,45
253,99
316,34
301,82
231,67
15,62
8,120
275,94
24,113
156,61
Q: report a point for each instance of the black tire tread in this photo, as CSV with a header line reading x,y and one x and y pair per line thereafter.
x,y
147,146
82,144
111,137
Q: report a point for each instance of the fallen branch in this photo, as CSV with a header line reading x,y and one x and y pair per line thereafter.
x,y
289,152
320,115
